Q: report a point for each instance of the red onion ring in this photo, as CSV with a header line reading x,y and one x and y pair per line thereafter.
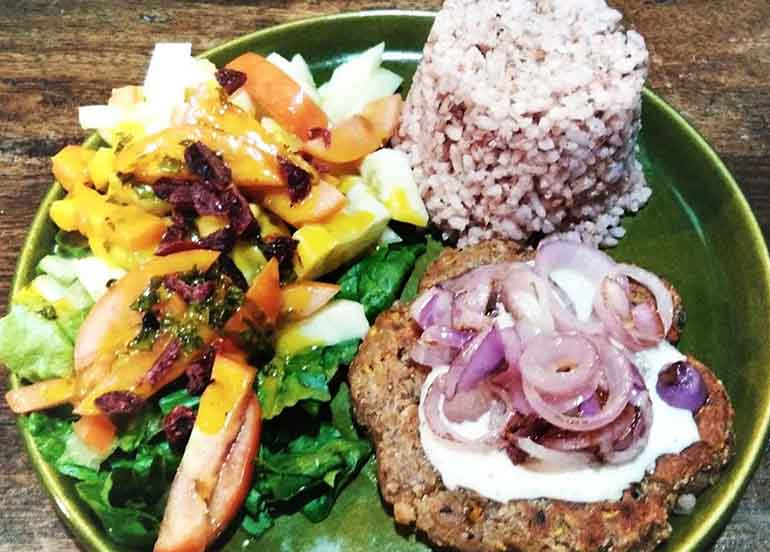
x,y
554,457
664,302
528,296
436,418
545,358
619,383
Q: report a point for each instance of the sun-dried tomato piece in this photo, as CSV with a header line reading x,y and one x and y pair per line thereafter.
x,y
222,240
297,178
191,293
238,210
230,79
162,364
178,425
282,248
119,402
199,371
207,165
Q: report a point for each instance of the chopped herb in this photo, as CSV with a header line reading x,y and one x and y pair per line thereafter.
x,y
71,245
170,165
149,297
221,309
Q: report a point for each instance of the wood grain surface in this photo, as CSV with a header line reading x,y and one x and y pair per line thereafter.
x,y
710,59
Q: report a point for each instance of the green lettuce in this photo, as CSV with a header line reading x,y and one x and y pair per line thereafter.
x,y
128,492
377,280
304,376
34,347
433,249
308,472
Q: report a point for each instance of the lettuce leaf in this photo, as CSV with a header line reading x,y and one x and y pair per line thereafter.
x,y
433,249
128,493
304,376
377,280
308,473
34,347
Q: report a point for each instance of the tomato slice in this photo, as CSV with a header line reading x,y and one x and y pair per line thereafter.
x,y
279,95
112,322
302,299
97,432
323,201
359,135
263,302
40,395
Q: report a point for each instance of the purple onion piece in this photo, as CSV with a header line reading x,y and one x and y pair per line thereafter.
x,y
444,335
480,358
681,386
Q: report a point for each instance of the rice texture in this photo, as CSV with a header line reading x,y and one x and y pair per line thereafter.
x,y
523,117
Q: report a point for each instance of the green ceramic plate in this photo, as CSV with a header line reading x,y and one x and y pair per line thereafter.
x,y
697,230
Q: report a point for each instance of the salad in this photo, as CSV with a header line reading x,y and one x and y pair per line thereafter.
x,y
219,257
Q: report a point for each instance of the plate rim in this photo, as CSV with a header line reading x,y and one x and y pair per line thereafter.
x,y
89,535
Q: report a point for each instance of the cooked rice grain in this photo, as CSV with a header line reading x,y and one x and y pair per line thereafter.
x,y
523,118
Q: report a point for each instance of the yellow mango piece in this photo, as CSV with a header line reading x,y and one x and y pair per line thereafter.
x,y
231,381
101,168
64,213
208,224
70,166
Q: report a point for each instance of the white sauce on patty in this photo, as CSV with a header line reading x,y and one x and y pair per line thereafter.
x,y
490,472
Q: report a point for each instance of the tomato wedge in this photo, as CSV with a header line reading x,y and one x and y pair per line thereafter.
x,y
40,395
112,322
97,432
323,201
279,95
302,299
262,304
215,473
361,134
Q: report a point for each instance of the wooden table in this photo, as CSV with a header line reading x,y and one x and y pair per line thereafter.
x,y
710,59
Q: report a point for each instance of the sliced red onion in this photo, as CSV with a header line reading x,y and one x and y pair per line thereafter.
x,y
619,383
631,443
432,307
583,259
560,365
469,405
447,336
681,386
637,327
511,345
469,310
481,356
554,457
433,355
664,302
528,297
435,399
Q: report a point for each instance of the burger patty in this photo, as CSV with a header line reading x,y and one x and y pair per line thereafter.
x,y
385,387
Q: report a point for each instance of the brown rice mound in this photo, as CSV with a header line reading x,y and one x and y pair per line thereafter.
x,y
523,117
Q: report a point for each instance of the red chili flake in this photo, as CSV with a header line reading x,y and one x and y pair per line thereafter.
x,y
191,293
199,371
166,359
119,402
178,425
322,133
230,79
207,165
297,178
